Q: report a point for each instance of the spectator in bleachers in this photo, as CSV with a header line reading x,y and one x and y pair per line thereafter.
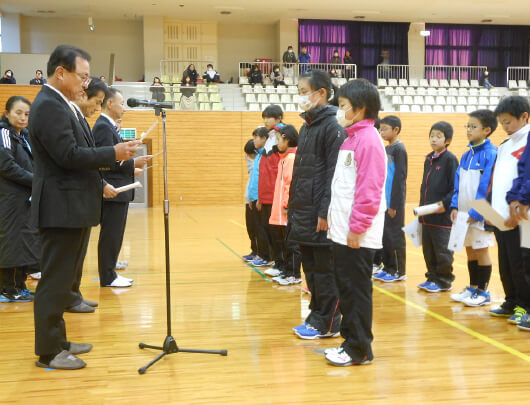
x,y
187,100
304,56
211,75
8,78
277,76
486,80
335,58
192,73
335,71
103,79
157,90
348,60
289,57
38,80
255,76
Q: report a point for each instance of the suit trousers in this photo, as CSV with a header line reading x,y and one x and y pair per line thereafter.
x,y
317,262
113,220
76,297
353,271
63,253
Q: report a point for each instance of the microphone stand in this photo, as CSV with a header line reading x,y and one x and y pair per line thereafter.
x,y
170,345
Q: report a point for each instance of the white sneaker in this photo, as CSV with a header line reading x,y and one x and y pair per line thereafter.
x,y
463,295
130,280
289,280
119,283
341,358
121,265
35,276
376,269
278,278
478,298
272,272
332,350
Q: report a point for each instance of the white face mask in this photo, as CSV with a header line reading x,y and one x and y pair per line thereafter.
x,y
341,118
305,103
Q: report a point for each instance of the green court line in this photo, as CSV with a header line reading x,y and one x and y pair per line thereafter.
x,y
190,217
238,256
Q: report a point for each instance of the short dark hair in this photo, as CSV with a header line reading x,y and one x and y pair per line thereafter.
x,y
393,121
377,123
290,46
38,70
445,128
319,79
487,119
14,99
361,93
11,102
109,93
290,133
209,65
94,87
261,132
272,111
249,147
65,55
513,105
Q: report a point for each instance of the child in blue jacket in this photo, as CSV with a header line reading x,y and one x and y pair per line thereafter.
x,y
472,179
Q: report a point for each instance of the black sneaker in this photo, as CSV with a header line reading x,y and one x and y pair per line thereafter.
x,y
501,312
16,296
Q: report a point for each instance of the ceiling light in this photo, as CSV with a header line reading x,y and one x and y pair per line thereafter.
x,y
425,33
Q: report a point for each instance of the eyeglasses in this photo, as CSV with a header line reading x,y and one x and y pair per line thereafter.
x,y
84,79
472,127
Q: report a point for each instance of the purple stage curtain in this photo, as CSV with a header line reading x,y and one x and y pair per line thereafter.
x,y
494,46
365,41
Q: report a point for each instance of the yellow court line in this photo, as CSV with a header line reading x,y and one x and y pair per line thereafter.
x,y
457,325
237,223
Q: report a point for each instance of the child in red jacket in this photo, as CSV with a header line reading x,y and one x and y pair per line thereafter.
x,y
290,252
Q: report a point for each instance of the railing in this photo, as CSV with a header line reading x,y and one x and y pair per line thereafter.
x,y
431,72
518,73
171,70
293,71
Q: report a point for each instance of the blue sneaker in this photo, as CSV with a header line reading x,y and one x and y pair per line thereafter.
x,y
249,258
525,323
310,333
259,262
518,314
501,312
391,278
478,298
380,275
432,287
299,327
4,299
424,285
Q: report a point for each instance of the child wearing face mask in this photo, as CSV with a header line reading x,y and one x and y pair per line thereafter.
x,y
356,218
318,145
277,77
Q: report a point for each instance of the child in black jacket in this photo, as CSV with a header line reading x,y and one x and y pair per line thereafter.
x,y
437,187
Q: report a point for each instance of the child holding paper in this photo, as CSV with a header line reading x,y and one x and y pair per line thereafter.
x,y
471,183
437,188
508,186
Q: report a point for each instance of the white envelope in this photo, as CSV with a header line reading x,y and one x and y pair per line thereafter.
x,y
485,209
413,231
524,227
458,232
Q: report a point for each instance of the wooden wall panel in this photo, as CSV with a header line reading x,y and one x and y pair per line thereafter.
x,y
8,90
205,149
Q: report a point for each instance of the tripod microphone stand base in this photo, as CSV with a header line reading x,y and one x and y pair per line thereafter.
x,y
169,347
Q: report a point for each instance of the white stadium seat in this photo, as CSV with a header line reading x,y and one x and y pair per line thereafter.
x,y
415,109
403,82
404,108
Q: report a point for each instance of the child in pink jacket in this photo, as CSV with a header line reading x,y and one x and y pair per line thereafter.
x,y
290,271
356,218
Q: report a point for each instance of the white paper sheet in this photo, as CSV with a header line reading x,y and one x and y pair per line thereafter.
x,y
136,184
458,232
413,231
426,209
524,227
485,209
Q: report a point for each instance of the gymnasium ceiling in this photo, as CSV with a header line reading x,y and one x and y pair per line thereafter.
x,y
510,12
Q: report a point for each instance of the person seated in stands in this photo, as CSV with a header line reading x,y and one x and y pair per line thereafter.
x,y
192,73
38,79
103,79
348,60
333,73
8,78
277,76
157,90
187,88
255,76
486,80
211,76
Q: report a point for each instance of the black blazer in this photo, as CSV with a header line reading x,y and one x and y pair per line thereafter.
x,y
120,175
67,189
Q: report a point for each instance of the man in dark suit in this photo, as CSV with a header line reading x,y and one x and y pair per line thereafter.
x,y
66,199
86,106
114,212
38,80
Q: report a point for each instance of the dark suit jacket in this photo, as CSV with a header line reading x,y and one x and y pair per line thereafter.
x,y
67,189
120,175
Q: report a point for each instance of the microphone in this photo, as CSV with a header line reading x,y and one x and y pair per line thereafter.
x,y
134,102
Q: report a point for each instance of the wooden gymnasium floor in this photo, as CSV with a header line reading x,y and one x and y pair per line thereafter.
x,y
428,350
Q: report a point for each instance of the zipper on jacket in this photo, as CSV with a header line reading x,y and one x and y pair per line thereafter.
x,y
427,184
